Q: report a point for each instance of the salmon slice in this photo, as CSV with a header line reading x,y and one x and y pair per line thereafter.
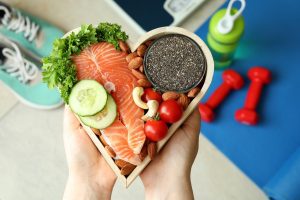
x,y
117,135
102,62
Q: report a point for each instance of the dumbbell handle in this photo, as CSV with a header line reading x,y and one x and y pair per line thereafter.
x,y
253,95
218,95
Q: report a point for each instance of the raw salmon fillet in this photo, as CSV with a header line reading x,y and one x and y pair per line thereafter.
x,y
102,62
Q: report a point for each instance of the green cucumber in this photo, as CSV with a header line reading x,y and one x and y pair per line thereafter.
x,y
104,118
87,98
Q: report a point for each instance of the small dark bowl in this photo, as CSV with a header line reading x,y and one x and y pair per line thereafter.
x,y
203,67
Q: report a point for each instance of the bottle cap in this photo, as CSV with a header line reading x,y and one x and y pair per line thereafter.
x,y
225,25
235,33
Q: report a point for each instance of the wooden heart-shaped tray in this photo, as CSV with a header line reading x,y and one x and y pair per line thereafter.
x,y
204,85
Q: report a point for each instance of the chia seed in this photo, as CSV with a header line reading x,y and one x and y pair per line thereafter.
x,y
174,63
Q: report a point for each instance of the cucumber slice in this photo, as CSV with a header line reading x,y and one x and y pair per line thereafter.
x,y
104,118
87,98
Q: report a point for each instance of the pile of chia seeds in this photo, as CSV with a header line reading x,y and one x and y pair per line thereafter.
x,y
174,63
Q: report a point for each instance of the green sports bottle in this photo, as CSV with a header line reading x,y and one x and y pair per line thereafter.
x,y
226,28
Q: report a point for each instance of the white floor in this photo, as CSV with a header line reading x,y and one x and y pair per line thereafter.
x,y
32,160
33,166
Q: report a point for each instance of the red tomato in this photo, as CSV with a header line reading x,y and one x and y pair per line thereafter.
x,y
170,111
150,94
156,130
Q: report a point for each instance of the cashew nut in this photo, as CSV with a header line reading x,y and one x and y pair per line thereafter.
x,y
153,107
137,94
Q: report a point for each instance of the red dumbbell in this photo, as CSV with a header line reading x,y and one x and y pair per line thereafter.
x,y
232,80
258,76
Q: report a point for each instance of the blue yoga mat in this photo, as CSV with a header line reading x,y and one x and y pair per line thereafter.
x,y
285,183
263,152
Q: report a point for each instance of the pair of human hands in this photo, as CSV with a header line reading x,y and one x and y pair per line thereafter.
x,y
90,177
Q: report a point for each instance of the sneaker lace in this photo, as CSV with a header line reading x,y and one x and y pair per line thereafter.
x,y
20,24
17,66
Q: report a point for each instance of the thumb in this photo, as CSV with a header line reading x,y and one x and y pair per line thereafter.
x,y
70,121
193,121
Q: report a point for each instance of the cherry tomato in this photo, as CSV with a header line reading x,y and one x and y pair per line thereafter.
x,y
170,111
150,94
156,130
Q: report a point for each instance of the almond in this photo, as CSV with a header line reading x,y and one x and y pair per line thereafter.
x,y
121,163
144,152
110,151
141,68
123,46
148,43
183,100
96,131
103,141
135,63
193,92
138,74
127,169
170,95
144,83
147,142
131,56
141,50
152,149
